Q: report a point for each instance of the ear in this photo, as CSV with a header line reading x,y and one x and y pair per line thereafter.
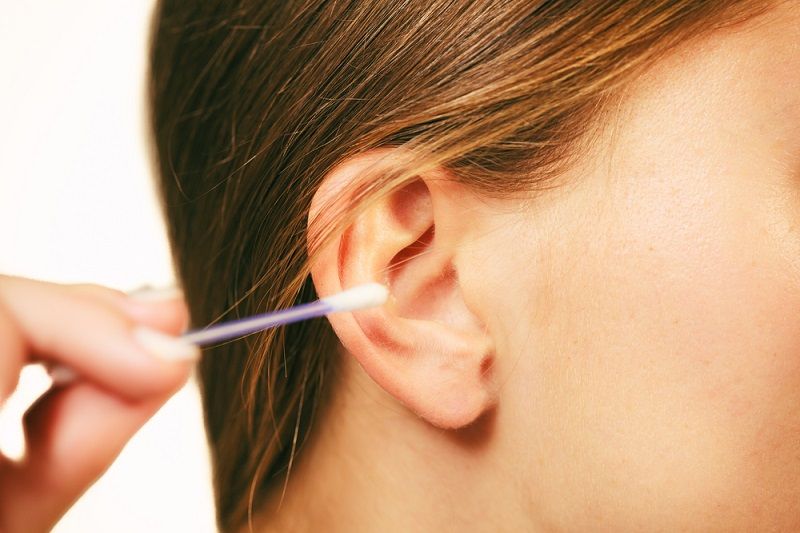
x,y
424,347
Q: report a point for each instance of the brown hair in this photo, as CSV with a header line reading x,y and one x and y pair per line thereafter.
x,y
254,102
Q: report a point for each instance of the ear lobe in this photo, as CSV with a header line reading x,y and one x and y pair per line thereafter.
x,y
425,347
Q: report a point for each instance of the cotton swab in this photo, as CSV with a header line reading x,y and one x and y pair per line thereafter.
x,y
360,297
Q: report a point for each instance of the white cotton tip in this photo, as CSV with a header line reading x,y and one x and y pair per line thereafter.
x,y
360,297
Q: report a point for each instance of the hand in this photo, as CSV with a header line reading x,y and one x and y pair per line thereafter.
x,y
124,374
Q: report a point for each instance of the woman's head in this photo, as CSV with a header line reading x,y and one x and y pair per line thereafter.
x,y
586,213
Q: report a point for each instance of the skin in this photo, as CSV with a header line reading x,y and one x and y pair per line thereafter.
x,y
667,349
643,319
77,428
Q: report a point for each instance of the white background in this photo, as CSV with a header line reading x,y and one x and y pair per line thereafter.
x,y
77,205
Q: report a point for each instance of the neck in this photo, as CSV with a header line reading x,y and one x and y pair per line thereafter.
x,y
374,466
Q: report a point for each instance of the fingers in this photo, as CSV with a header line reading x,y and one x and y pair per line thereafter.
x,y
125,374
74,433
93,331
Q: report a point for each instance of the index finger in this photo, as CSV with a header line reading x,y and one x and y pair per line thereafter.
x,y
97,340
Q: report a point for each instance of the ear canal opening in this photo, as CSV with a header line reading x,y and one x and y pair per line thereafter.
x,y
420,246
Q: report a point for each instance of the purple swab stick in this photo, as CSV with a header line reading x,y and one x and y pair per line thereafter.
x,y
360,297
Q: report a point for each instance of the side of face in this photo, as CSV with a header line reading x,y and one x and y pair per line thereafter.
x,y
648,337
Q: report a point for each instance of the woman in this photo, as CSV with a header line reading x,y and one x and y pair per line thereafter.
x,y
586,215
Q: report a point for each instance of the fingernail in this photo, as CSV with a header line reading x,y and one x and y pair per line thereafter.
x,y
62,375
152,294
165,346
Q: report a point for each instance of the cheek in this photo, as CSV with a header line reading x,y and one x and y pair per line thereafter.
x,y
661,369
